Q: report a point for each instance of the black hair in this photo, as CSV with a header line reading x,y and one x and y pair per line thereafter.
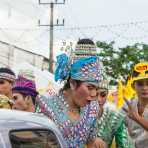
x,y
85,41
135,74
67,84
7,70
32,97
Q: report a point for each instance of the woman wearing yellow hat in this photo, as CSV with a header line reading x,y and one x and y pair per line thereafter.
x,y
137,109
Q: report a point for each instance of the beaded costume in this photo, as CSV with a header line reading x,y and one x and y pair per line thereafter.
x,y
78,133
75,133
111,125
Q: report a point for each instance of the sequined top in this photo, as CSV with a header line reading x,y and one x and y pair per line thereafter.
x,y
75,133
136,131
111,125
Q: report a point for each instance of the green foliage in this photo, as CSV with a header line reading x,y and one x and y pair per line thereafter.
x,y
118,62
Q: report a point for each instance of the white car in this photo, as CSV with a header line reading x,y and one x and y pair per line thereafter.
x,y
20,129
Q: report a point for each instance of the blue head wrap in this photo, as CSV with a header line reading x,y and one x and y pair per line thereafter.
x,y
85,69
62,68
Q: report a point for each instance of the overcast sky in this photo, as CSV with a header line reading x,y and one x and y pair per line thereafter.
x,y
83,18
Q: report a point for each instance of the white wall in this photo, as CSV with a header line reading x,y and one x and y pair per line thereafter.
x,y
11,55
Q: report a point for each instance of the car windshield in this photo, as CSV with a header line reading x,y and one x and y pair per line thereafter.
x,y
33,139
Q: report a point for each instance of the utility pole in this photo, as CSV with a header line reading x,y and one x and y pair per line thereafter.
x,y
51,25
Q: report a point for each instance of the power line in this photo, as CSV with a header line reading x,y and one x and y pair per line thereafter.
x,y
128,24
104,26
113,29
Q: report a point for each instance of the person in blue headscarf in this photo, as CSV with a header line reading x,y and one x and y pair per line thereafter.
x,y
66,109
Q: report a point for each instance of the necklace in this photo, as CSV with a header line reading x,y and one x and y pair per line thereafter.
x,y
73,110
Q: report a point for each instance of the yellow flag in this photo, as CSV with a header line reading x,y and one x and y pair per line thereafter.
x,y
129,91
120,91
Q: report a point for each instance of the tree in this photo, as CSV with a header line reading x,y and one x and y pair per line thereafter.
x,y
118,62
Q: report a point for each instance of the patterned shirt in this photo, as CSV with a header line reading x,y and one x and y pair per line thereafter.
x,y
111,125
136,131
75,133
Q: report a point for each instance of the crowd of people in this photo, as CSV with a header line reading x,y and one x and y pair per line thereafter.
x,y
80,109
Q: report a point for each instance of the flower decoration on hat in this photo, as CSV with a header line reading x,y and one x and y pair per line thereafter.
x,y
140,71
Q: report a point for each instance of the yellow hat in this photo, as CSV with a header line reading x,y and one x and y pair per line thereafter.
x,y
140,71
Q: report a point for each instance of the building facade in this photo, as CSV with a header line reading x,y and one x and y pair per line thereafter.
x,y
10,55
